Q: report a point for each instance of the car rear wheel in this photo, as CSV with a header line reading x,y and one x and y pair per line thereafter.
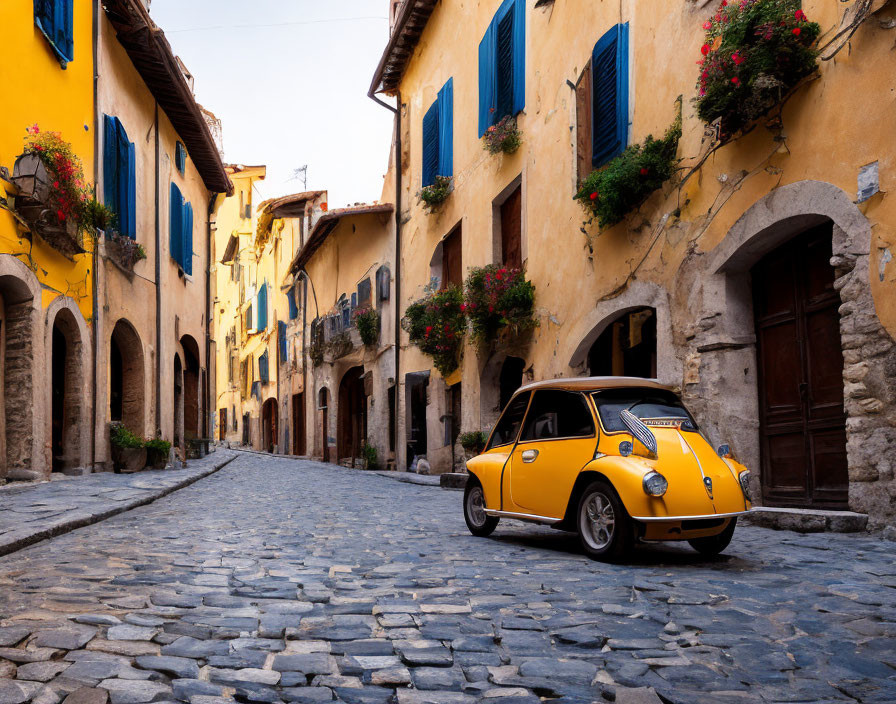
x,y
478,521
714,544
603,524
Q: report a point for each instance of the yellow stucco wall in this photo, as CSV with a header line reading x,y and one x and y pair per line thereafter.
x,y
38,91
825,141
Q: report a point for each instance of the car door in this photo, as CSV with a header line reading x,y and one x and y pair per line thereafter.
x,y
489,466
557,440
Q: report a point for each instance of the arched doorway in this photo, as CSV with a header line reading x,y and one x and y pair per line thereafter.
x,y
191,403
67,403
352,415
269,425
126,400
322,405
800,372
626,347
178,414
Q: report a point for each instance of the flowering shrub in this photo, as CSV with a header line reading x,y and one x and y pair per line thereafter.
x,y
503,137
436,324
755,52
497,297
629,179
434,195
367,320
71,199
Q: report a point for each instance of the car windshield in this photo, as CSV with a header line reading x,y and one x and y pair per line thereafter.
x,y
643,403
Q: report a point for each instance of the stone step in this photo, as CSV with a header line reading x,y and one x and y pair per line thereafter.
x,y
453,480
806,520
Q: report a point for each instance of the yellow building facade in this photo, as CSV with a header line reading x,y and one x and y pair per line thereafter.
x,y
683,289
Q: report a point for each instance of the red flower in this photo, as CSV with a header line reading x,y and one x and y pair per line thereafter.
x,y
707,25
491,309
60,215
800,15
796,31
499,276
705,49
737,59
593,196
735,81
463,307
429,329
644,171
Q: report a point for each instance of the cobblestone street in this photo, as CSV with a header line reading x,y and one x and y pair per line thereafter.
x,y
281,580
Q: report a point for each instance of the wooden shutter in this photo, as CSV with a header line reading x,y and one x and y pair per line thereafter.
x,y
364,292
176,224
584,148
609,66
263,307
111,170
431,144
505,67
452,265
446,129
187,262
512,229
487,79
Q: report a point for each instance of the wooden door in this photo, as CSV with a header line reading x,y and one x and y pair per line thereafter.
x,y
452,263
512,229
298,424
222,424
802,421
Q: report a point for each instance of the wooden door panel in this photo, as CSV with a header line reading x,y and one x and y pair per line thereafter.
x,y
512,229
825,365
781,370
786,455
828,449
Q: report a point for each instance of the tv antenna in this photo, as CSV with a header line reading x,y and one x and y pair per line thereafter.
x,y
301,174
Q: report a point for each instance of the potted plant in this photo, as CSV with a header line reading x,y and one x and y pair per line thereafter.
x,y
497,298
503,137
128,450
370,457
435,194
157,453
473,442
436,324
367,322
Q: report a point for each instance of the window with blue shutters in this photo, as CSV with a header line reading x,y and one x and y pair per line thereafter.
x,y
55,19
609,95
281,341
180,226
187,260
293,307
264,371
180,157
438,136
120,176
502,65
263,307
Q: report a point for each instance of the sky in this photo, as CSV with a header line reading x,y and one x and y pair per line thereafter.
x,y
289,80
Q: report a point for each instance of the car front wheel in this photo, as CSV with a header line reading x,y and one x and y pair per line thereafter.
x,y
478,521
714,544
603,524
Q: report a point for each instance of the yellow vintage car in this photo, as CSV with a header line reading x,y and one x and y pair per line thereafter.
x,y
615,459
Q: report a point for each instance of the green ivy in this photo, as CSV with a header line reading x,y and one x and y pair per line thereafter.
x,y
367,320
436,325
755,51
628,180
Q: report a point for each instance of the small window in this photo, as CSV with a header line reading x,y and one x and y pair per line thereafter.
x,y
55,19
364,293
438,136
502,65
511,212
293,306
558,414
509,424
180,157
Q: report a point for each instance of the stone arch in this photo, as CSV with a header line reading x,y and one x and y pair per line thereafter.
x,y
192,404
269,425
127,385
67,342
23,453
726,338
639,295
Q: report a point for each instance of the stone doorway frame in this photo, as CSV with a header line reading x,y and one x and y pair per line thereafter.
x,y
726,340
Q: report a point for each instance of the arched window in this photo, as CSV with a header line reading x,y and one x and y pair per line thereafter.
x,y
627,347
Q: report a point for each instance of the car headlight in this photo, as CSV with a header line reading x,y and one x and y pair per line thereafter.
x,y
744,479
655,484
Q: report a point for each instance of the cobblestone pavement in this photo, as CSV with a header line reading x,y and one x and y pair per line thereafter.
x,y
282,580
32,512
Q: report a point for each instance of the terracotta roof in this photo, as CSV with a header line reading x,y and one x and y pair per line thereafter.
x,y
326,224
276,203
409,26
154,60
241,168
595,383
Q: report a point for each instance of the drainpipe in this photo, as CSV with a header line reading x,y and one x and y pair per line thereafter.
x,y
95,256
397,112
209,313
158,226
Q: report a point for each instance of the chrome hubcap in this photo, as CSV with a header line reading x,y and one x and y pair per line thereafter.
x,y
598,521
476,507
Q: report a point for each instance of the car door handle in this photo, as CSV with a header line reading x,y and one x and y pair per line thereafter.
x,y
529,455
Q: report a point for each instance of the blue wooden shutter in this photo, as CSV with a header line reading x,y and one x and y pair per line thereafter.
x,y
431,144
293,307
187,263
110,165
132,192
519,56
45,17
281,340
488,80
609,75
66,42
249,318
446,129
264,368
121,198
176,225
505,66
263,307
180,157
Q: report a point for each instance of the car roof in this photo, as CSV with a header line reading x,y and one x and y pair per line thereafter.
x,y
595,383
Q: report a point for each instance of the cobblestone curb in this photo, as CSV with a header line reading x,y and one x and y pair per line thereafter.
x,y
17,539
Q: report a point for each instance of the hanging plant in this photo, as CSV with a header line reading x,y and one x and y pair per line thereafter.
x,y
367,321
504,137
434,195
497,298
127,252
611,192
436,324
754,53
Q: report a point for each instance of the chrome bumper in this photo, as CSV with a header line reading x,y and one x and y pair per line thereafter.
x,y
671,519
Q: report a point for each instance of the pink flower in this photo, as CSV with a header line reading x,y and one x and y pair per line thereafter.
x,y
707,25
704,49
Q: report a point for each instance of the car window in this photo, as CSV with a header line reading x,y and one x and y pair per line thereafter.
x,y
509,424
558,414
643,403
